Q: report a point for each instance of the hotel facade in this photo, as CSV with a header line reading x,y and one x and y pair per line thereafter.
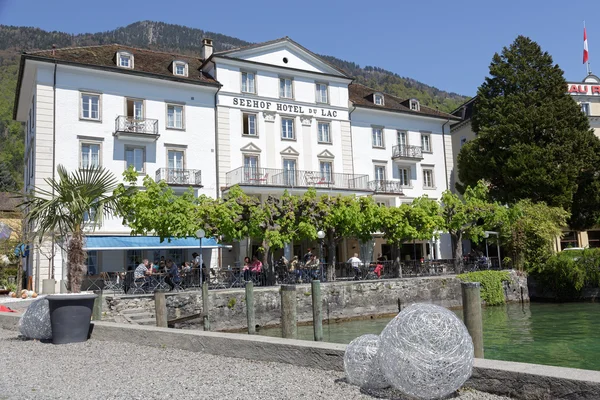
x,y
269,117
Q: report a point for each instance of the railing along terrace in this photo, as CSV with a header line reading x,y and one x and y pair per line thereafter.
x,y
177,176
235,277
407,151
296,178
145,126
380,186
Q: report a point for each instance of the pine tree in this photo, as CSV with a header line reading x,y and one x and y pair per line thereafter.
x,y
533,141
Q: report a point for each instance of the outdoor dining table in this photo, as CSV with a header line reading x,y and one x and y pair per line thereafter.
x,y
157,282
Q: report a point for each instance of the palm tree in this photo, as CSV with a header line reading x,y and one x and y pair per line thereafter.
x,y
72,202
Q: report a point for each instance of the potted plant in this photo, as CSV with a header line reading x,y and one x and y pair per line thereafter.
x,y
71,203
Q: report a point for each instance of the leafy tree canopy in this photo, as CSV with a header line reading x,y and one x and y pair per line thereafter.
x,y
533,141
529,231
469,217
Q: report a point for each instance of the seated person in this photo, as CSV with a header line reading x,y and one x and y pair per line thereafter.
x,y
294,264
246,268
312,265
173,277
256,267
141,272
379,267
185,267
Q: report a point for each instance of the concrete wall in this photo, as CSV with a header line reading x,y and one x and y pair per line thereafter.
x,y
341,300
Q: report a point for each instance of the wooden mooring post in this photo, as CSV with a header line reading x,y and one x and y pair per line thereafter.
x,y
317,307
250,308
288,311
471,300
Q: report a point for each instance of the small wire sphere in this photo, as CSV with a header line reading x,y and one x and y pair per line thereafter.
x,y
426,352
35,321
361,363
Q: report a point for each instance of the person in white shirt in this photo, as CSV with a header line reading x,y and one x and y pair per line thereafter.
x,y
355,262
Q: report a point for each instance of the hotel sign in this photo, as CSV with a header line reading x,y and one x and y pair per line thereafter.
x,y
583,90
284,108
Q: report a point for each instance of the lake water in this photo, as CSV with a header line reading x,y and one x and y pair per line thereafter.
x,y
566,335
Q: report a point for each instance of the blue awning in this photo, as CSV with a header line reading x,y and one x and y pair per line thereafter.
x,y
147,242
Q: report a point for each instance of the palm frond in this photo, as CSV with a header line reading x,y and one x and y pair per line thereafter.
x,y
62,205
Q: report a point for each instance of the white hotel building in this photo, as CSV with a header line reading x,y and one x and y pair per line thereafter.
x,y
268,117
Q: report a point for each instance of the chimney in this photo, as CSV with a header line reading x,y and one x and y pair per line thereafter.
x,y
53,50
207,48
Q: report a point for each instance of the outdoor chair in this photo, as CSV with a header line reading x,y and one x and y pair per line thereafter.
x,y
138,286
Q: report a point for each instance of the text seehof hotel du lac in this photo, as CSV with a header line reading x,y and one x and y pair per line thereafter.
x,y
291,108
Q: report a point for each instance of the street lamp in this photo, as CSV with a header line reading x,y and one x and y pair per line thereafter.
x,y
200,235
486,235
321,236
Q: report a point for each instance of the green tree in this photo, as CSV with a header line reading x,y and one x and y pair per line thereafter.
x,y
157,209
72,200
469,217
419,220
344,217
529,232
532,139
396,229
12,140
7,182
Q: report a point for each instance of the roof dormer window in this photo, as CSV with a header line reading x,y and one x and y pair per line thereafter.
x,y
414,105
180,68
125,59
378,99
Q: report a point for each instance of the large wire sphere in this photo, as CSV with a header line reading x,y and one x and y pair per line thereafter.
x,y
426,352
35,321
362,365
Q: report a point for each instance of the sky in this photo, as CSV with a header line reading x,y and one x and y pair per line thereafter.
x,y
446,44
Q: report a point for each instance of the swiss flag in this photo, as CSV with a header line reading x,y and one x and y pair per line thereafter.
x,y
585,47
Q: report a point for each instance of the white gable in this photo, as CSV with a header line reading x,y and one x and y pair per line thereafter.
x,y
279,52
250,148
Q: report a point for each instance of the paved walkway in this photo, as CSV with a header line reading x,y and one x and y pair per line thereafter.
x,y
106,370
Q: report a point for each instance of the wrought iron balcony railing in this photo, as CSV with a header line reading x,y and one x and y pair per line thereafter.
x,y
177,176
251,176
380,186
406,151
130,125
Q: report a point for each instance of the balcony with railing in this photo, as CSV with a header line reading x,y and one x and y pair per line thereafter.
x,y
249,176
145,128
179,177
389,187
406,152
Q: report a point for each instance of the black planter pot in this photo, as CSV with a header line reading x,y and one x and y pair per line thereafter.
x,y
70,317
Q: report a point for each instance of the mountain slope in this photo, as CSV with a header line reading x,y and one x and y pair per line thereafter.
x,y
174,38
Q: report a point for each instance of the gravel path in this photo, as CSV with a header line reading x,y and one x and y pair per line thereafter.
x,y
106,370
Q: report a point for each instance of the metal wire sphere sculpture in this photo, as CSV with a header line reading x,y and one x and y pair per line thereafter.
x,y
426,352
362,365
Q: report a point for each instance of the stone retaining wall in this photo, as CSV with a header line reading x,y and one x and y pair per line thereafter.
x,y
341,300
540,293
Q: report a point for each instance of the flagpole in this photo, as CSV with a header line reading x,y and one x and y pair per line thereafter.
x,y
589,70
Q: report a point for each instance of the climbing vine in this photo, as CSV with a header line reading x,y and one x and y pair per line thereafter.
x,y
491,285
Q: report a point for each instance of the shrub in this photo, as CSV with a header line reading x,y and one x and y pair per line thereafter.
x,y
566,273
491,285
